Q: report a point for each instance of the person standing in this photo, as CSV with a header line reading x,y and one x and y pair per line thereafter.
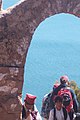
x,y
29,110
58,112
64,82
47,103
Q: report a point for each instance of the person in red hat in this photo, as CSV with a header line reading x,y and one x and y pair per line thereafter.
x,y
29,110
64,85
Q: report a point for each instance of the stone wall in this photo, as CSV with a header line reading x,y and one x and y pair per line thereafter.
x,y
17,25
0,4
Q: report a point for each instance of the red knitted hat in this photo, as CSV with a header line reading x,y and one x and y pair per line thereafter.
x,y
64,78
30,99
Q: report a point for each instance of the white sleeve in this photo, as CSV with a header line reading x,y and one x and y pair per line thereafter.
x,y
51,115
38,114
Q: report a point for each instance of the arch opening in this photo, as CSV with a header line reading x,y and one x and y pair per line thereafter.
x,y
54,51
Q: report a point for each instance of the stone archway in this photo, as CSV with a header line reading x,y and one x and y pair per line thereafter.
x,y
17,25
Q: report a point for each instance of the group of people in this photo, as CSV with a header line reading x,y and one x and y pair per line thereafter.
x,y
71,106
60,104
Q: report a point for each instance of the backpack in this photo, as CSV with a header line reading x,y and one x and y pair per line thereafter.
x,y
47,105
67,98
64,112
47,102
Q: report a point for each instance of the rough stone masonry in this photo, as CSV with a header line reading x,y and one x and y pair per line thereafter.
x,y
17,26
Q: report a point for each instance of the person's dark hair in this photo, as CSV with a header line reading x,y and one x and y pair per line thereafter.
x,y
58,98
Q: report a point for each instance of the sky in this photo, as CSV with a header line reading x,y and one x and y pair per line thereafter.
x,y
69,23
8,3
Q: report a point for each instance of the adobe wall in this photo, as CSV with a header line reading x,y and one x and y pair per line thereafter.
x,y
17,26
